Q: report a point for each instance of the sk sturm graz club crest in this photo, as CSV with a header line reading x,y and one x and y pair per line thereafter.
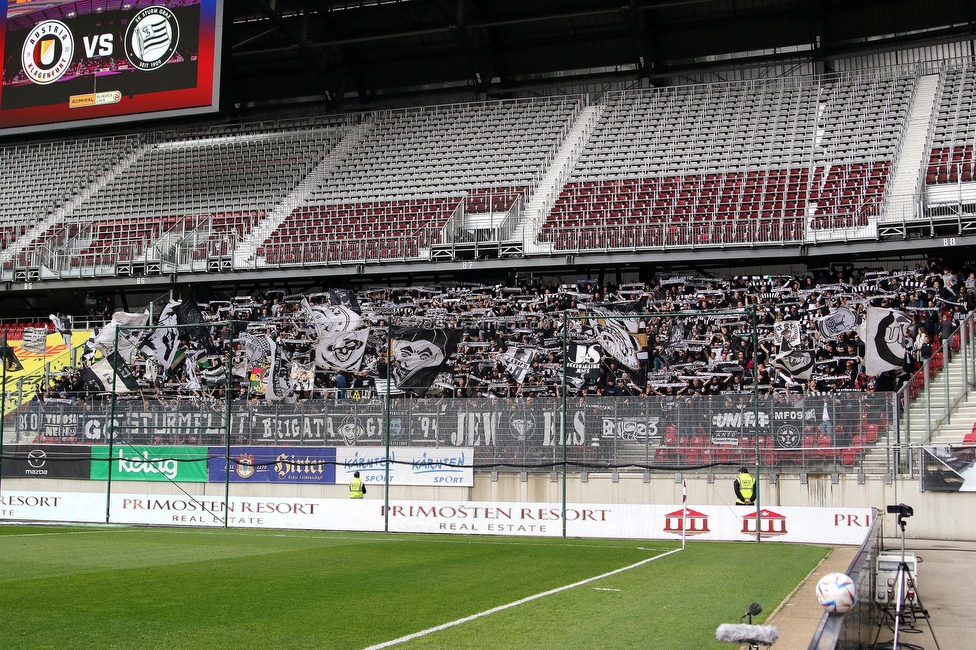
x,y
48,50
152,37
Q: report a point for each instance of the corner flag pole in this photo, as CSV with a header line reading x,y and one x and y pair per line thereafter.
x,y
684,510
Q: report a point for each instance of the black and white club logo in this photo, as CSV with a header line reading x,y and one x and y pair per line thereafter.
x,y
788,436
152,37
47,52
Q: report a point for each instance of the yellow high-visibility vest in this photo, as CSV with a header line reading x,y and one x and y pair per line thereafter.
x,y
356,489
747,486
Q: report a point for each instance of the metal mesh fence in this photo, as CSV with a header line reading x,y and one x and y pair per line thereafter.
x,y
838,430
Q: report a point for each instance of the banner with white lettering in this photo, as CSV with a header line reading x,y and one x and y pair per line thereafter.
x,y
274,465
47,461
160,464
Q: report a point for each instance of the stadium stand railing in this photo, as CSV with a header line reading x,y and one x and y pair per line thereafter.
x,y
858,627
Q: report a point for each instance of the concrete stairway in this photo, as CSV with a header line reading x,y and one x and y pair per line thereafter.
x,y
59,215
247,247
959,422
905,182
538,208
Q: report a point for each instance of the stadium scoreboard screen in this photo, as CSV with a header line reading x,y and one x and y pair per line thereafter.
x,y
85,62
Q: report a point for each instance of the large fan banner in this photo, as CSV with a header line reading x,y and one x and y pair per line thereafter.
x,y
885,334
582,363
419,355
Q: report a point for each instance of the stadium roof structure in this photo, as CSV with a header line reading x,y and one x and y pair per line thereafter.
x,y
356,53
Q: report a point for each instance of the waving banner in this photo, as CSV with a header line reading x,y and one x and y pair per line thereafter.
x,y
885,334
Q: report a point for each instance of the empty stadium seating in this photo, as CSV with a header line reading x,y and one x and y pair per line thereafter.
x,y
952,159
737,163
395,192
760,162
451,150
39,178
385,230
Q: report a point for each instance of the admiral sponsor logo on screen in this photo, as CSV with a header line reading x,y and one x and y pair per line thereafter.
x,y
47,53
152,37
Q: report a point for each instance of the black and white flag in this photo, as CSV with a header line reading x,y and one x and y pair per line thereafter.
x,y
341,350
256,346
345,298
192,382
799,363
786,334
35,339
62,327
163,343
332,318
619,343
302,376
885,337
279,375
108,373
418,355
88,352
517,362
105,341
839,321
582,363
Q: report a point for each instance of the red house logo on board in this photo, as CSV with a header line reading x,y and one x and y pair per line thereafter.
x,y
697,522
771,524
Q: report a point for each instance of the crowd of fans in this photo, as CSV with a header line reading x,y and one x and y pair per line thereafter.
x,y
711,349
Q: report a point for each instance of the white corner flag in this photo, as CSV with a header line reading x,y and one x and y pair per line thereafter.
x,y
684,510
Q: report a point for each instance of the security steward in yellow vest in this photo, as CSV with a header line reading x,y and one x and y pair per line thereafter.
x,y
745,488
356,487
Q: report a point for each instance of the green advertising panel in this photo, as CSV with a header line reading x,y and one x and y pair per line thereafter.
x,y
137,463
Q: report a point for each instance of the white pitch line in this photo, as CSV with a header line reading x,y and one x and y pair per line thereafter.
x,y
493,610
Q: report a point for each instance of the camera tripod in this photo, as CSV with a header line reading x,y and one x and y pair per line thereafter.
x,y
903,580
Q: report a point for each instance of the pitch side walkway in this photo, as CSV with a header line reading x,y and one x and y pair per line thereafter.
x,y
946,576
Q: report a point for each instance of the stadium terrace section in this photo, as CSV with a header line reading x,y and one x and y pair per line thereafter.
x,y
680,355
950,189
793,160
680,389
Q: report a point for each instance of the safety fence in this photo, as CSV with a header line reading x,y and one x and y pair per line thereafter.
x,y
623,433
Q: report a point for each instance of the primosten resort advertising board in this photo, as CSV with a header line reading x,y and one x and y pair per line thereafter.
x,y
75,63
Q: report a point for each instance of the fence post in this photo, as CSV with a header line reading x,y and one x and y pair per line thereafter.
x,y
963,343
928,398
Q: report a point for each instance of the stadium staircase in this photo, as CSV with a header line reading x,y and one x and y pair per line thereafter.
x,y
58,216
953,428
908,172
245,250
537,210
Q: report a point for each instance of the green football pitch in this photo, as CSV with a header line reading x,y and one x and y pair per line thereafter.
x,y
105,587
